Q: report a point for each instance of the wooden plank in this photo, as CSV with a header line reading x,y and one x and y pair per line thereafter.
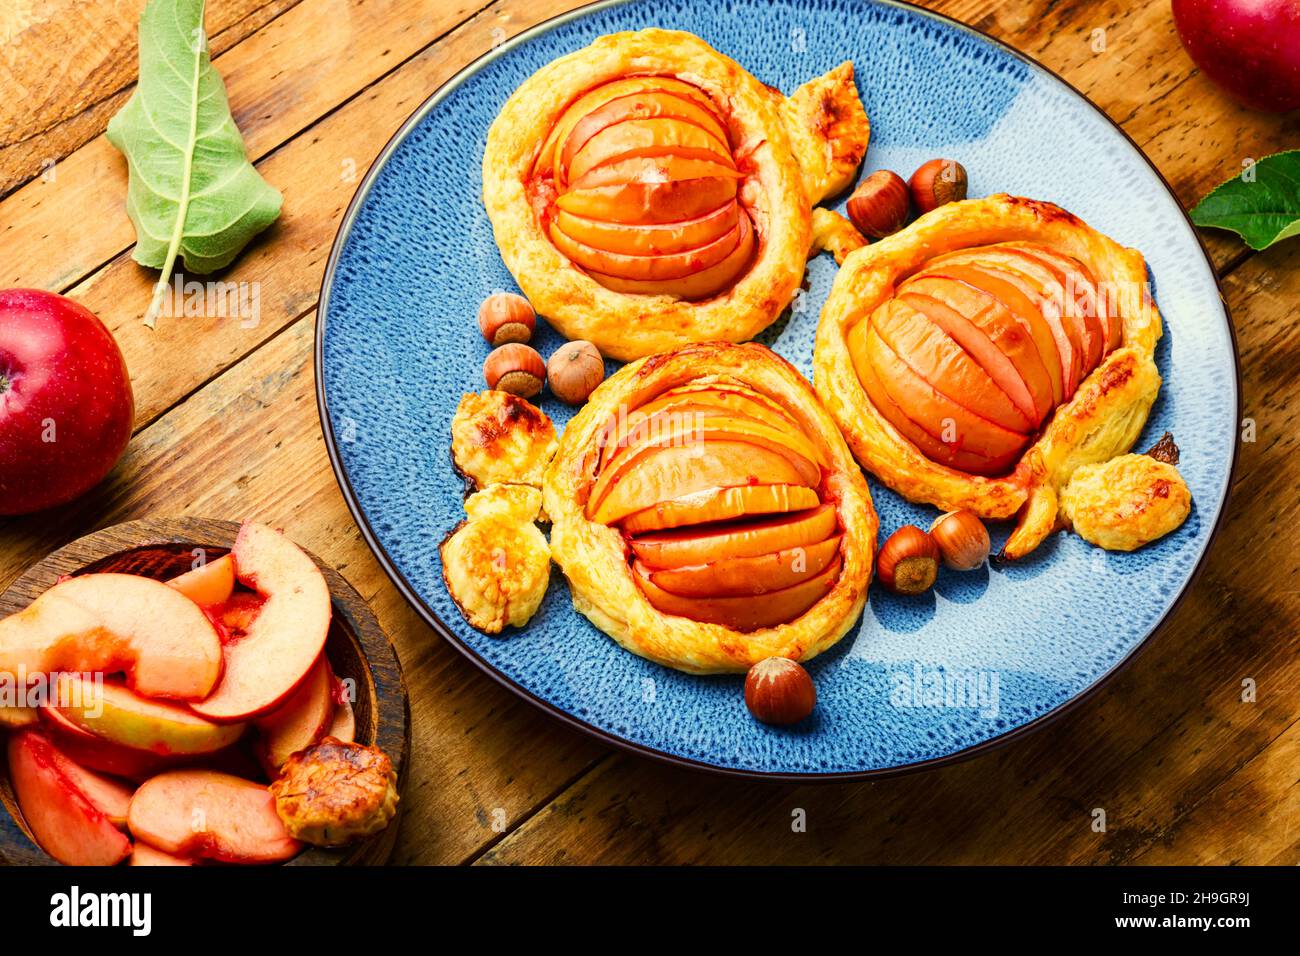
x,y
1156,743
249,445
280,80
318,174
71,63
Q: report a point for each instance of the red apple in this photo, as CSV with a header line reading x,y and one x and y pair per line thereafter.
x,y
66,407
1251,48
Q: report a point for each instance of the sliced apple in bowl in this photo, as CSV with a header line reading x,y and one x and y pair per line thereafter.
x,y
265,665
155,635
114,713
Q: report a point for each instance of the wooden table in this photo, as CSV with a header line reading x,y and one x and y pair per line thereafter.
x,y
226,427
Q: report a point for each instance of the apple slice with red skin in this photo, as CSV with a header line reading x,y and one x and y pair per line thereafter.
x,y
209,584
662,474
930,446
655,267
649,240
747,613
109,796
745,539
142,854
700,285
736,577
114,713
116,623
212,816
17,717
945,364
266,664
65,822
98,754
301,721
720,504
1075,277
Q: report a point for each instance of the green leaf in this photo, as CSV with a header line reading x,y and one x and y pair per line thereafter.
x,y
1262,204
192,192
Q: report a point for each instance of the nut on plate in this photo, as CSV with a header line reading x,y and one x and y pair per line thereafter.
x,y
515,368
499,437
1125,503
779,691
936,183
574,371
962,539
879,206
505,317
908,561
336,792
496,570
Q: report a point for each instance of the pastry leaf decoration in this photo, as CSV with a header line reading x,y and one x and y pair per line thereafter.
x,y
1261,204
192,194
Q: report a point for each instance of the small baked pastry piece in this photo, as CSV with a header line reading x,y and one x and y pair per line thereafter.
x,y
1125,503
647,191
499,437
496,569
708,514
336,792
520,503
980,356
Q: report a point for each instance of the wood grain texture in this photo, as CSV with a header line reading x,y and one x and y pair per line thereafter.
x,y
357,647
227,427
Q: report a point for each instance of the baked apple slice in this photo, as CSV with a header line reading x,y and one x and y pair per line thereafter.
x,y
683,547
277,651
64,820
156,636
207,815
720,504
735,577
653,240
742,613
114,713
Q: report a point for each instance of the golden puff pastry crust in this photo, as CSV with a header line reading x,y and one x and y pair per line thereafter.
x,y
496,568
1125,503
595,557
789,154
498,437
1101,420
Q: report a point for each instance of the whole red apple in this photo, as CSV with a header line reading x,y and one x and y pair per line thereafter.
x,y
1251,48
66,407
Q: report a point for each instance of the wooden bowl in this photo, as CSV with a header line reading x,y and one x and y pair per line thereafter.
x,y
357,648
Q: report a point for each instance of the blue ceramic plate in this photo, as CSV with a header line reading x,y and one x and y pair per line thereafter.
x,y
984,656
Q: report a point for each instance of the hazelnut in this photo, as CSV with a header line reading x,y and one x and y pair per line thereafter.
x,y
937,182
515,368
878,207
505,317
574,371
962,539
909,561
779,691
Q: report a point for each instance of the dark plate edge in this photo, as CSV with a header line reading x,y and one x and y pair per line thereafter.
x,y
432,619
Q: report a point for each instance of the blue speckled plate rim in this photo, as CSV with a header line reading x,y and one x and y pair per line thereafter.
x,y
432,619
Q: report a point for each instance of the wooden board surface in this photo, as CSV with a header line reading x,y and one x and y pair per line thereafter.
x,y
1184,768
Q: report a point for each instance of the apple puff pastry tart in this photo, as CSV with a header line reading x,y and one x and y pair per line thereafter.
x,y
647,191
708,514
980,356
